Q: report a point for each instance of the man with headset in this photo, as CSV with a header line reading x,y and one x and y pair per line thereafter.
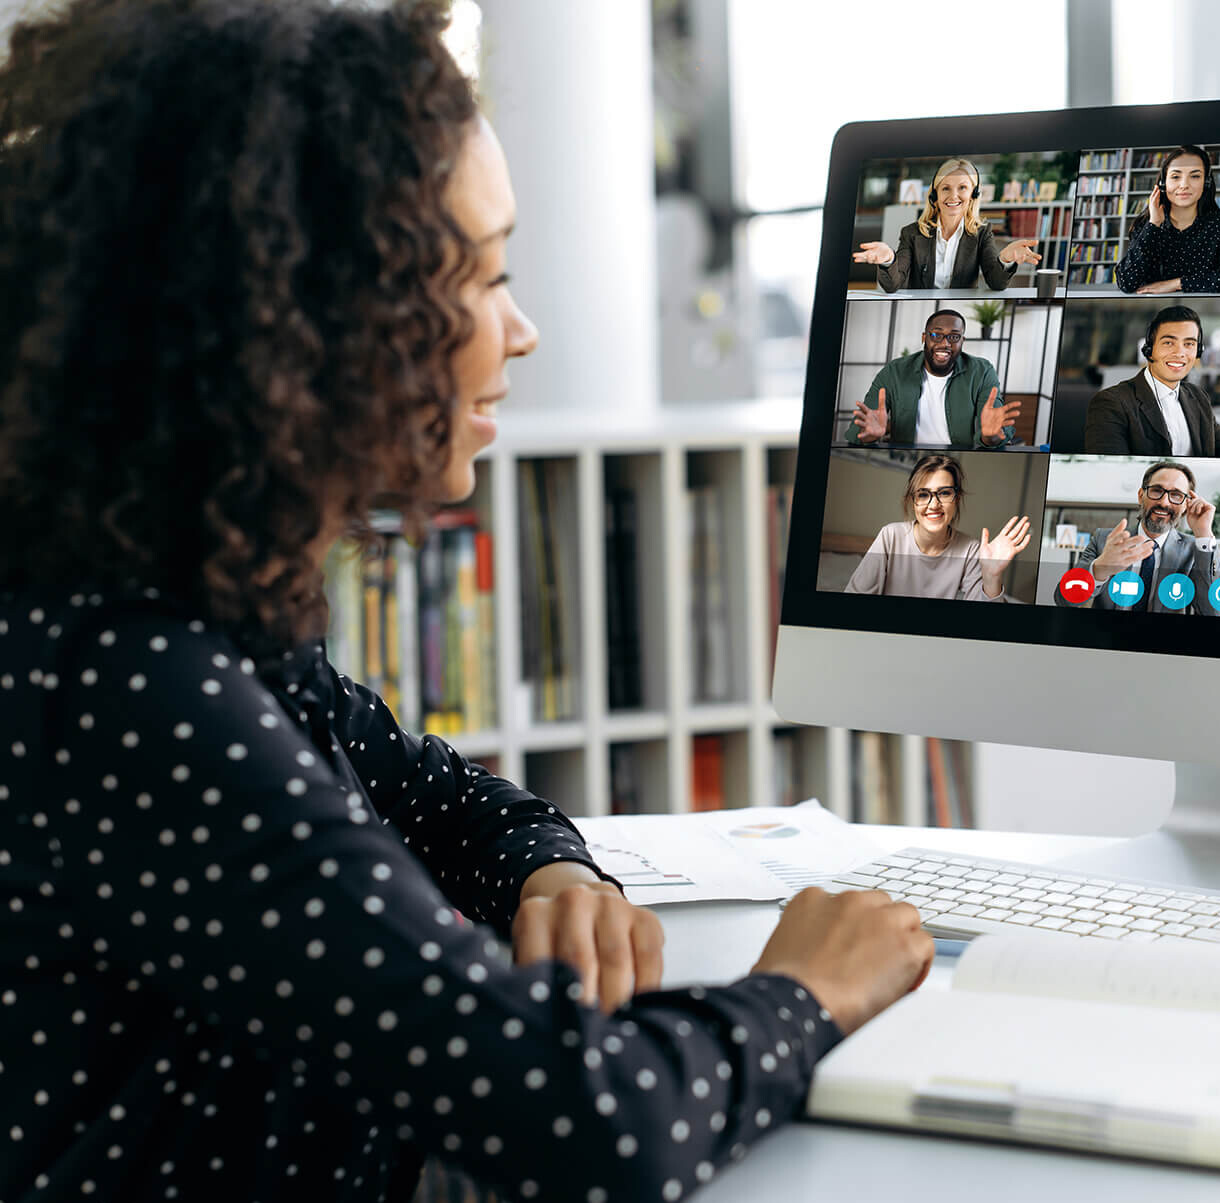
x,y
1157,412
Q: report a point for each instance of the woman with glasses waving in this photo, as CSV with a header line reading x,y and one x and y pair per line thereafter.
x,y
926,555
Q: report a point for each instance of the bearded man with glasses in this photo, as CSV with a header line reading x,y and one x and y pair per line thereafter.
x,y
937,397
1156,567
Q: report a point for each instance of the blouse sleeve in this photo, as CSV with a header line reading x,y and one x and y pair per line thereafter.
x,y
1138,265
479,835
213,853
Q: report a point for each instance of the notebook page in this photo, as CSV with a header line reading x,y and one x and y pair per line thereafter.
x,y
1163,974
1128,1080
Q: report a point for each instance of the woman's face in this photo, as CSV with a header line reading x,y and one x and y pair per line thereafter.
x,y
936,517
480,198
953,195
1184,180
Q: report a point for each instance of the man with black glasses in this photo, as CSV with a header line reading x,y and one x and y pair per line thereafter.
x,y
937,397
1157,567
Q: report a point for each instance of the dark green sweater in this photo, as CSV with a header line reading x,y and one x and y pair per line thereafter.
x,y
970,382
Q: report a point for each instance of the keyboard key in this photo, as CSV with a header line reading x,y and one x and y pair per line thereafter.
x,y
1144,925
1141,937
1171,916
1090,916
1052,924
865,880
1141,912
1109,932
1059,912
1207,934
1021,920
1120,895
1028,907
1205,908
1176,929
1081,929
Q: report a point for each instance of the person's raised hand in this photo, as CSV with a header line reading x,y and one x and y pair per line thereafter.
x,y
1120,551
873,252
1199,515
996,554
871,424
855,952
995,417
1156,206
613,945
1021,250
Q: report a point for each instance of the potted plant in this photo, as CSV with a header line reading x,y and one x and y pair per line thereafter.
x,y
987,313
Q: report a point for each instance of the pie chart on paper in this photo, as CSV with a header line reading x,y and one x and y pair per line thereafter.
x,y
765,831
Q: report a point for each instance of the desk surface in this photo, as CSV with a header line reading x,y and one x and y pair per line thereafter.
x,y
832,1162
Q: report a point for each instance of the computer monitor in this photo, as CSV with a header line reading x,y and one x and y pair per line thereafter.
x,y
1103,412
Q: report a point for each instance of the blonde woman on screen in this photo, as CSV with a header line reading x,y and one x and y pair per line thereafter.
x,y
950,244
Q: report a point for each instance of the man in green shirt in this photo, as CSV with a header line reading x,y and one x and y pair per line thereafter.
x,y
937,397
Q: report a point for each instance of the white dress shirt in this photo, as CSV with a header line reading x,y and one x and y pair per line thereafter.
x,y
1171,411
946,254
931,421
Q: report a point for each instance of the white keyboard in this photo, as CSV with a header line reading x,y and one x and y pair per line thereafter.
x,y
961,897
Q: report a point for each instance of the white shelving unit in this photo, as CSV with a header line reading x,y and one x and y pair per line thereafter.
x,y
742,447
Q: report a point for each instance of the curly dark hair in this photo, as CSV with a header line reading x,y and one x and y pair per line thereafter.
x,y
229,290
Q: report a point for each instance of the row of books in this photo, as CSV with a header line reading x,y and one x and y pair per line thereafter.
x,y
1102,206
1099,273
1104,252
1100,185
418,625
1104,160
1036,223
876,781
549,563
1094,229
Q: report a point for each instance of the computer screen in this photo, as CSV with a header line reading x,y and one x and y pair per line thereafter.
x,y
1004,515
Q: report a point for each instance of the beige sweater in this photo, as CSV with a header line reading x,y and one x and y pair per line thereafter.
x,y
895,567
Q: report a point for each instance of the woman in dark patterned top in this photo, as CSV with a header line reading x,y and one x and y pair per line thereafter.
x,y
259,940
1175,243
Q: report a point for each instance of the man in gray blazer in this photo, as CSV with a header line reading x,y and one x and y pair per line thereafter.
x,y
1157,549
1156,412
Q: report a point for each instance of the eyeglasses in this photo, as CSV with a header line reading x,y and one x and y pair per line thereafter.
x,y
923,497
952,338
1156,492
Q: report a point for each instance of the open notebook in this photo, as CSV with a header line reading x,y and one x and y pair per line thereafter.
x,y
1109,1048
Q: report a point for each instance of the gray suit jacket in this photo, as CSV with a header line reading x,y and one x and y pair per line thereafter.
x,y
1126,419
1179,554
914,263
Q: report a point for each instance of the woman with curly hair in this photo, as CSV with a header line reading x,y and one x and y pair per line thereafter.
x,y
253,265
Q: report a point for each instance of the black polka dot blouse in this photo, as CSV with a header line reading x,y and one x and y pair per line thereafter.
x,y
252,950
1164,252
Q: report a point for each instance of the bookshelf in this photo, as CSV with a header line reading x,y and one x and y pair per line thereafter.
x,y
594,757
1111,192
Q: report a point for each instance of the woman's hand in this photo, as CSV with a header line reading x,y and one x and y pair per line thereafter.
x,y
996,554
1156,208
873,252
566,913
1021,250
1158,287
856,952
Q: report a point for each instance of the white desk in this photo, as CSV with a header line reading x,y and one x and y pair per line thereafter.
x,y
833,1163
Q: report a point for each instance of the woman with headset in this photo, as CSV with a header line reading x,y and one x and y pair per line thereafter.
x,y
926,555
1175,243
950,244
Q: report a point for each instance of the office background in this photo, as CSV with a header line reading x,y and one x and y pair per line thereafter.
x,y
670,161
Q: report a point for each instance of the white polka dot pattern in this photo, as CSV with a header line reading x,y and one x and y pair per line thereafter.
x,y
1164,252
209,939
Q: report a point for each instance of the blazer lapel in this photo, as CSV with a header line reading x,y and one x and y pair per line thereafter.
x,y
1150,410
1199,420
